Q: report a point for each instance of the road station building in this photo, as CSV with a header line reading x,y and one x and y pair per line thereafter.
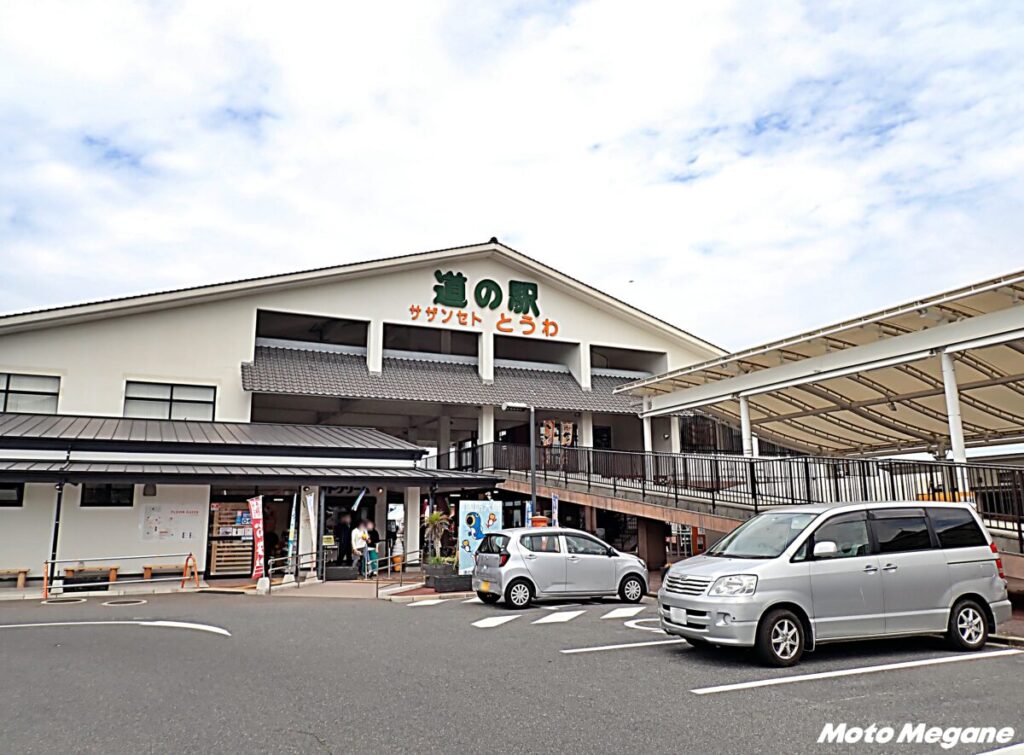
x,y
140,425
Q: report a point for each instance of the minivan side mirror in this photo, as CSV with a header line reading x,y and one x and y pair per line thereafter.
x,y
825,549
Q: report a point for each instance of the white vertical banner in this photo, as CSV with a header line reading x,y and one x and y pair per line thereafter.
x,y
309,533
554,510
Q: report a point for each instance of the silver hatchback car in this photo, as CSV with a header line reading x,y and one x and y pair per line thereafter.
x,y
795,577
554,562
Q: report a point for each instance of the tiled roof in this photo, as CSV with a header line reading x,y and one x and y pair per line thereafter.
x,y
322,373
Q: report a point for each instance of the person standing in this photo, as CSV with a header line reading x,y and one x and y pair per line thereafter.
x,y
360,543
343,538
372,548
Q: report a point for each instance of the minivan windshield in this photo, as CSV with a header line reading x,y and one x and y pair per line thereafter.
x,y
764,536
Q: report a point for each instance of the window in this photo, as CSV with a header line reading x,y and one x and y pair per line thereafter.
x,y
493,544
29,394
956,528
764,536
540,543
101,496
850,534
12,495
899,530
584,546
168,401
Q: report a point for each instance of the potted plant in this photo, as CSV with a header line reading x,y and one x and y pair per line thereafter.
x,y
435,525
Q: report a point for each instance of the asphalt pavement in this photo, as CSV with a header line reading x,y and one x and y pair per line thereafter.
x,y
287,674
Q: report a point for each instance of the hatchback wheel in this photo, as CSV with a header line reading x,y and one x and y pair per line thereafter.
x,y
780,638
487,597
632,589
518,594
968,626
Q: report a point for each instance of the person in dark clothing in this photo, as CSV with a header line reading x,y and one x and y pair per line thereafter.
x,y
343,539
373,549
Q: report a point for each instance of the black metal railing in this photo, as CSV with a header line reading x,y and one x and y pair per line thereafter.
x,y
757,482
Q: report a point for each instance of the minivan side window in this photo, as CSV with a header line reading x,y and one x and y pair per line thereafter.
x,y
900,530
850,534
956,528
540,543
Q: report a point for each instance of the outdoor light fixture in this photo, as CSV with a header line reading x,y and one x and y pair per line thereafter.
x,y
149,489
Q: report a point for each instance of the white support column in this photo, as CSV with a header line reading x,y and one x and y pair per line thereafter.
x,y
748,441
412,520
485,358
956,427
485,425
675,434
584,376
648,436
585,435
444,441
375,346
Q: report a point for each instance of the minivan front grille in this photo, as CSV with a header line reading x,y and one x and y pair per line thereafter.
x,y
686,584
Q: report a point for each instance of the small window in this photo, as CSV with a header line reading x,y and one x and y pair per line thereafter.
x,y
956,528
901,530
100,496
168,401
493,544
540,543
12,495
584,546
29,394
850,534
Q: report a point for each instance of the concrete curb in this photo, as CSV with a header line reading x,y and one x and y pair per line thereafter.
x,y
1008,639
440,595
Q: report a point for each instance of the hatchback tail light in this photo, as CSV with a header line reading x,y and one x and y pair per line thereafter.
x,y
999,561
503,559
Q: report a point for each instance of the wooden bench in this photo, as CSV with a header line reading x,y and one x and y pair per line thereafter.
x,y
148,569
111,571
22,575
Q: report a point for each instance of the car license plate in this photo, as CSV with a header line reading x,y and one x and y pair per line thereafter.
x,y
677,615
485,586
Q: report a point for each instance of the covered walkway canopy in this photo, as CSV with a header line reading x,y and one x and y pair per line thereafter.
x,y
932,375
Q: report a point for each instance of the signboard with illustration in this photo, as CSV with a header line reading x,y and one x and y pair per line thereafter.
x,y
516,305
476,519
171,521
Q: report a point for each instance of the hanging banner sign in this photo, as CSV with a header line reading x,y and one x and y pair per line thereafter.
x,y
476,519
554,510
256,516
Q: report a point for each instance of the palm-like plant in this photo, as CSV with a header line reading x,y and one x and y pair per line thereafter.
x,y
435,525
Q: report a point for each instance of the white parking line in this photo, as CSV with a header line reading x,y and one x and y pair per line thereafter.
x,y
427,602
493,621
559,618
154,623
572,651
854,671
624,613
472,600
1009,750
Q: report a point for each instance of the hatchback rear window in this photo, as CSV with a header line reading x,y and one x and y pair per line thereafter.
x,y
493,544
956,528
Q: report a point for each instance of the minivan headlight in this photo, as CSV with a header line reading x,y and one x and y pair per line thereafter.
x,y
734,585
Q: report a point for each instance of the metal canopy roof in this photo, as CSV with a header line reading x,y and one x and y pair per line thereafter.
x,y
873,384
316,372
217,474
65,432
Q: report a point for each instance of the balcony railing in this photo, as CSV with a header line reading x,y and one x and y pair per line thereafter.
x,y
758,482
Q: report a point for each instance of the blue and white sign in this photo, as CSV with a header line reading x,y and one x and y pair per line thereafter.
x,y
476,519
554,510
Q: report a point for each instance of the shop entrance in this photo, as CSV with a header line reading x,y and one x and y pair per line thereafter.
x,y
230,549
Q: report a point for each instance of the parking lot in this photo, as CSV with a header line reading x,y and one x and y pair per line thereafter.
x,y
294,674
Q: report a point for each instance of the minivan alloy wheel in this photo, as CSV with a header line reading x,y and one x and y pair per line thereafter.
x,y
785,639
970,624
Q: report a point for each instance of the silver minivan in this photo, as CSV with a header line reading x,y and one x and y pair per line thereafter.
x,y
522,564
798,576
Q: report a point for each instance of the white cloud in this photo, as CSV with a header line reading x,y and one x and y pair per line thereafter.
x,y
744,171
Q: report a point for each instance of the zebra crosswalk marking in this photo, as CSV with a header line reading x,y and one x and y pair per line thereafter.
x,y
624,613
493,621
559,618
428,602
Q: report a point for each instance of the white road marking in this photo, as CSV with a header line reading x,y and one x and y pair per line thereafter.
x,y
472,600
560,606
622,647
624,613
855,671
156,623
558,618
1015,749
493,621
427,602
400,588
636,624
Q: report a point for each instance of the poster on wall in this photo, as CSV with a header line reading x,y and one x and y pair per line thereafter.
x,y
476,519
162,522
256,517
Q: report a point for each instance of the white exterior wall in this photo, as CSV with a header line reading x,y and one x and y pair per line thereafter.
x,y
206,342
98,532
26,532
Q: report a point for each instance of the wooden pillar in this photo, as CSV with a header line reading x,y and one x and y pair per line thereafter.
x,y
651,542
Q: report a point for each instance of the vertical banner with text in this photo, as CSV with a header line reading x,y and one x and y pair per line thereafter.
x,y
256,515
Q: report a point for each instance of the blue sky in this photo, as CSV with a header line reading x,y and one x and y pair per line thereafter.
x,y
746,171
